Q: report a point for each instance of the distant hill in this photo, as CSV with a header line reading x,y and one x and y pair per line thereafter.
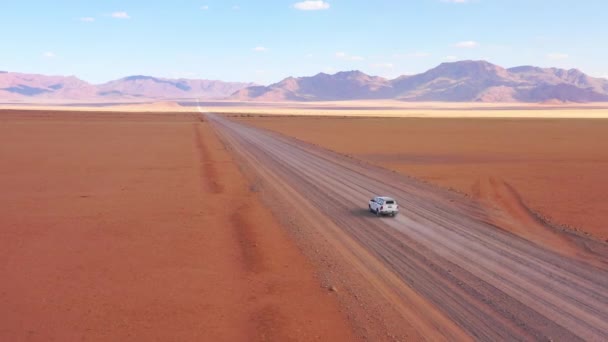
x,y
164,88
341,86
24,87
465,81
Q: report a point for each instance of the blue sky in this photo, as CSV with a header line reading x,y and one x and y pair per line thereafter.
x,y
267,40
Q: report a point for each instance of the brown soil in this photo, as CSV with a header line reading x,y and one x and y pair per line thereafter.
x,y
140,227
556,168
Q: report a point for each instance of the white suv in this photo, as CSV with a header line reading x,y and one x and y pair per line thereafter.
x,y
382,205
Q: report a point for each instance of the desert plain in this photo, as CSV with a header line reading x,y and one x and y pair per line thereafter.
x,y
127,226
165,223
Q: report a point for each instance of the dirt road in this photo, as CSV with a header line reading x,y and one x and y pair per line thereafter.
x,y
440,265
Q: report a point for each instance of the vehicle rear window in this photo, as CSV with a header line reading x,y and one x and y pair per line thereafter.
x,y
390,202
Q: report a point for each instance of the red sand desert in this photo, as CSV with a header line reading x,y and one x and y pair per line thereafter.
x,y
119,227
131,226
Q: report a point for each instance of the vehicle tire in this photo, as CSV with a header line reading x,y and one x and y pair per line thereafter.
x,y
378,212
370,208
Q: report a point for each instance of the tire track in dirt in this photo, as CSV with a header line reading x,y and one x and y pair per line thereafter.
x,y
253,259
243,229
209,175
513,215
275,298
265,318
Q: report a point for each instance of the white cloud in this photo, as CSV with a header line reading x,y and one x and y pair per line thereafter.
x,y
450,58
87,19
557,56
309,55
383,65
344,55
311,5
204,8
236,8
49,54
467,44
120,15
260,49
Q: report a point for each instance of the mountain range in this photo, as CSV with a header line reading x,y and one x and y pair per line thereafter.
x,y
464,81
24,87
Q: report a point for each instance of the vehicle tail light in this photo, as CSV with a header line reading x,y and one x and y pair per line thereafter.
x,y
381,207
